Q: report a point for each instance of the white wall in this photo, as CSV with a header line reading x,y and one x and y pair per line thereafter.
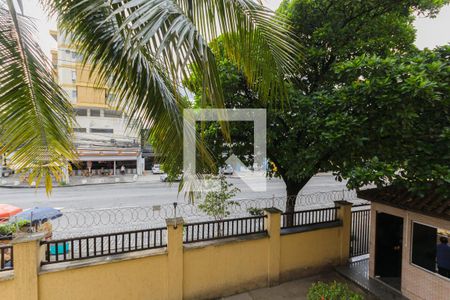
x,y
65,75
117,124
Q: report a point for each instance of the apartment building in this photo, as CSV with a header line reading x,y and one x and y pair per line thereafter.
x,y
103,141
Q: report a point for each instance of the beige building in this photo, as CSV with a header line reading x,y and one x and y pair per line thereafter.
x,y
409,236
103,141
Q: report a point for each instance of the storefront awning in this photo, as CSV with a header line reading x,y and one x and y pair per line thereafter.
x,y
108,154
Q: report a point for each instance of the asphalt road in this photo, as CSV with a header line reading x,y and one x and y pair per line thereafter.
x,y
150,192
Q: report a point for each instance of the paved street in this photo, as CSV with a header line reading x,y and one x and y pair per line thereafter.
x,y
95,209
143,193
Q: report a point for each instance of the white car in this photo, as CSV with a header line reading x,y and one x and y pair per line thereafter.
x,y
227,170
156,169
165,178
6,172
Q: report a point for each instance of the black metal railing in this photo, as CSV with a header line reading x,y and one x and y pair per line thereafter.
x,y
309,217
103,245
6,257
213,230
359,238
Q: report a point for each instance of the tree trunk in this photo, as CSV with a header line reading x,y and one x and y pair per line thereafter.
x,y
292,190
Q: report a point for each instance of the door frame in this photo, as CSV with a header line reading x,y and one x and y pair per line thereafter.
x,y
402,237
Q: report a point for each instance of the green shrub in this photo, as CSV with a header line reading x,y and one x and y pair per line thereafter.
x,y
7,229
255,211
332,291
217,203
22,223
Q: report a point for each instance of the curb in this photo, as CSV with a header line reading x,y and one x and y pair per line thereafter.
x,y
59,186
73,185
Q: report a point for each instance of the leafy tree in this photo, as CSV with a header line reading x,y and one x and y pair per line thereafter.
x,y
341,116
402,109
142,48
334,31
387,121
217,202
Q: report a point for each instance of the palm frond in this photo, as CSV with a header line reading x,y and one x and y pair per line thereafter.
x,y
35,115
144,88
178,32
257,39
146,48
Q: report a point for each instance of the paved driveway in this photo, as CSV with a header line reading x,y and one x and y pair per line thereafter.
x,y
296,289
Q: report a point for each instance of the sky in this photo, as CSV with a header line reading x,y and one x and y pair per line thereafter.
x,y
430,32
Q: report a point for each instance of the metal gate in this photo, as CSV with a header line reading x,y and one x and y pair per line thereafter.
x,y
359,238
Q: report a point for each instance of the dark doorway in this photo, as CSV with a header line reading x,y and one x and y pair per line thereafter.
x,y
388,249
149,161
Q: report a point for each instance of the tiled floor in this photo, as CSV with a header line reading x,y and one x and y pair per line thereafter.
x,y
358,272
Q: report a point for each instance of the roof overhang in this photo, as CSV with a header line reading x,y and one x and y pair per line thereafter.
x,y
108,154
431,203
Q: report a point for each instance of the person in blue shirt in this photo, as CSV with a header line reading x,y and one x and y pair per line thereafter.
x,y
443,257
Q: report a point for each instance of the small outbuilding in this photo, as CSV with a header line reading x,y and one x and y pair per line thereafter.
x,y
409,247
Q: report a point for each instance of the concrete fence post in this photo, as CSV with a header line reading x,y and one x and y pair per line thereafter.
x,y
273,227
27,260
175,258
344,214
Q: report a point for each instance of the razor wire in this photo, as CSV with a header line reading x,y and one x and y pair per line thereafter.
x,y
82,222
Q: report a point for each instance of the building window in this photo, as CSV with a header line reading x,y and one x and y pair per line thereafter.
x,y
77,56
74,94
110,96
74,76
81,112
95,112
112,114
101,130
83,130
430,249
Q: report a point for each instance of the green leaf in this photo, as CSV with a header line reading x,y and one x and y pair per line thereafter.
x,y
35,115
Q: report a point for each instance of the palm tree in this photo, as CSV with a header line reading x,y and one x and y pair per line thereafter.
x,y
146,48
35,115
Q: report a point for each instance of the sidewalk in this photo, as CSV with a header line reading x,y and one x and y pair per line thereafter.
x,y
296,289
16,182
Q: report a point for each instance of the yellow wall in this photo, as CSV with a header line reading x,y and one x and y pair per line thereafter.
x,y
90,95
307,252
84,76
195,271
225,269
6,288
142,278
89,90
